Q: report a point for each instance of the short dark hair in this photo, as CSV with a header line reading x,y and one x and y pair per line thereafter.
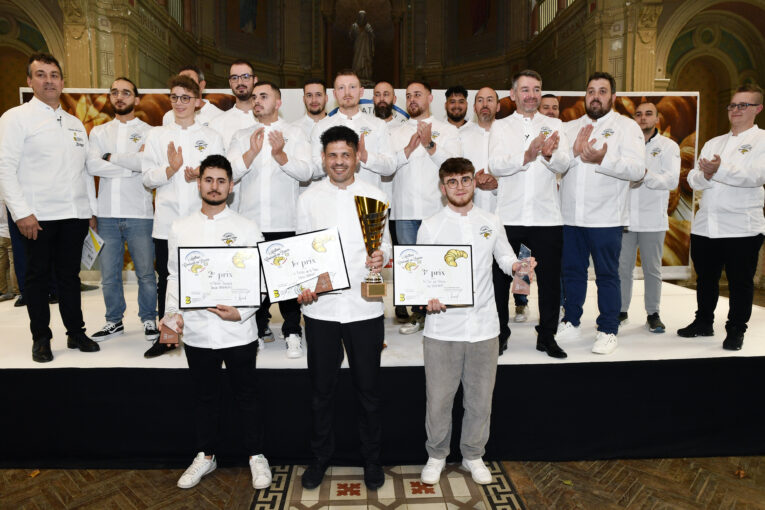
x,y
45,58
315,81
216,161
196,69
271,84
123,78
530,73
545,96
455,166
751,87
180,80
239,61
601,75
420,82
339,134
458,90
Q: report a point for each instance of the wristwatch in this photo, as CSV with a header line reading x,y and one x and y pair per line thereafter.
x,y
106,156
430,145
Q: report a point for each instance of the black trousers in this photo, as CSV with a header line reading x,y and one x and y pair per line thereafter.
x,y
58,248
738,255
363,341
290,309
206,370
546,245
160,257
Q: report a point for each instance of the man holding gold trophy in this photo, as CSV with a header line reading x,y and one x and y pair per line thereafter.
x,y
346,318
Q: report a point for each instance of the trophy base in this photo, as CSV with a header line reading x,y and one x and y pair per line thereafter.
x,y
373,290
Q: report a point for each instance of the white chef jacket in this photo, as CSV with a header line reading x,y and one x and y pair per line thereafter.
x,y
121,193
527,194
306,124
731,205
176,197
42,164
475,147
231,121
4,232
202,328
380,159
269,191
649,199
324,205
486,234
204,115
598,195
416,192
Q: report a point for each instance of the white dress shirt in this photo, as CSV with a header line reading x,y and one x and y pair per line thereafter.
x,y
204,115
324,205
649,198
268,190
475,147
380,159
231,121
486,234
121,193
202,328
416,194
175,197
598,195
42,164
527,194
731,205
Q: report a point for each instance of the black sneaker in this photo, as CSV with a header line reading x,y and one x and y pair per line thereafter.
x,y
402,316
654,324
623,321
734,340
374,477
82,342
150,331
158,349
110,330
313,475
19,302
696,328
266,336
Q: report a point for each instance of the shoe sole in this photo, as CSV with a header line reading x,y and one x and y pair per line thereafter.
x,y
658,329
38,360
151,338
542,349
479,482
262,485
523,319
197,482
292,355
408,332
110,335
605,352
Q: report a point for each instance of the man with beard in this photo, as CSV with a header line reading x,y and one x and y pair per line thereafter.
x,y
125,211
51,198
527,151
422,144
384,98
343,320
608,151
549,106
220,334
648,217
315,100
456,105
375,155
207,111
242,79
269,160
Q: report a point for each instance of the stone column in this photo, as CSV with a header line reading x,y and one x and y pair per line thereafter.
x,y
640,41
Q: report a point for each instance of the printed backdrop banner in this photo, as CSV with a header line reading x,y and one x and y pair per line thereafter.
x,y
678,120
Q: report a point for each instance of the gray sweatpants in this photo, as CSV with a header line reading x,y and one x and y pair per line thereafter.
x,y
446,365
651,248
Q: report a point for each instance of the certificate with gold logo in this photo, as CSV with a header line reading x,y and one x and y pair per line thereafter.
x,y
210,276
314,261
423,272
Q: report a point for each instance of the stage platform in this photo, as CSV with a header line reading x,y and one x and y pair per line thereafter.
x,y
658,395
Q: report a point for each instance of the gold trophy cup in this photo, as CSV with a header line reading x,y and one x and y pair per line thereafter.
x,y
372,215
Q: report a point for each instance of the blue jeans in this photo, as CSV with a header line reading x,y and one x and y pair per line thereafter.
x,y
137,233
406,231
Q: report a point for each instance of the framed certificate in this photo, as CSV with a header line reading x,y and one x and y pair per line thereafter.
x,y
314,260
422,272
221,275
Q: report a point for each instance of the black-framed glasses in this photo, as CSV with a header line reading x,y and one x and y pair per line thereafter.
x,y
184,99
240,77
740,106
465,180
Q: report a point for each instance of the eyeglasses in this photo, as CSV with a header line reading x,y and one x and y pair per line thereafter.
x,y
118,93
241,77
739,106
183,99
465,180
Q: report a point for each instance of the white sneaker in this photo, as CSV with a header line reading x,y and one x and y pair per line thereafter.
x,y
567,331
478,470
415,324
561,314
294,346
605,343
261,345
431,472
199,468
521,313
261,472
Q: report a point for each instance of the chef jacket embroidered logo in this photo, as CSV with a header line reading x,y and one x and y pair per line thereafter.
x,y
546,131
200,145
228,238
409,260
135,138
277,254
79,141
486,231
655,151
195,262
363,131
607,132
745,148
434,135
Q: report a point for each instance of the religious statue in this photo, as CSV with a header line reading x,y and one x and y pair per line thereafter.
x,y
363,38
